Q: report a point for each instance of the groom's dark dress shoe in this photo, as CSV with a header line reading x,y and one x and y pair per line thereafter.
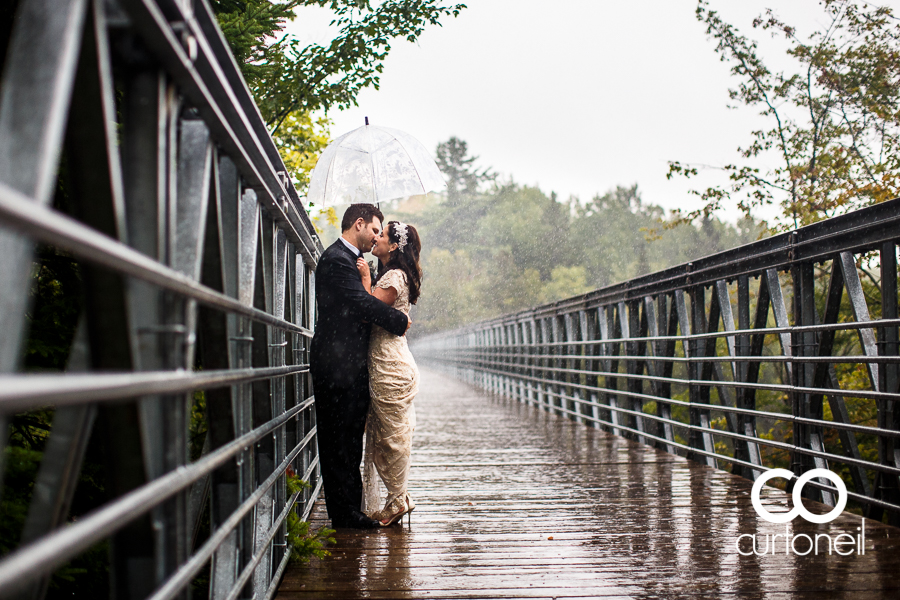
x,y
355,520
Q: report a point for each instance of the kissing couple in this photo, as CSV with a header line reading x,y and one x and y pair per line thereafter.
x,y
363,374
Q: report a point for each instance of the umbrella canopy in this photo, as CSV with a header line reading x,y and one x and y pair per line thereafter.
x,y
373,164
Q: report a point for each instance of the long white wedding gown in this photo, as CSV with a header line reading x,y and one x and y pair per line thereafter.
x,y
393,383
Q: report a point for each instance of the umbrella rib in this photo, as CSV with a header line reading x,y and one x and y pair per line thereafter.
x,y
372,163
328,178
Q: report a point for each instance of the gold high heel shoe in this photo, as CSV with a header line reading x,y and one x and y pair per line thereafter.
x,y
408,507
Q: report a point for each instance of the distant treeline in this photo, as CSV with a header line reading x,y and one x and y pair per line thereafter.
x,y
514,247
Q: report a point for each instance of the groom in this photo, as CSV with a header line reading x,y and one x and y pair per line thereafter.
x,y
337,360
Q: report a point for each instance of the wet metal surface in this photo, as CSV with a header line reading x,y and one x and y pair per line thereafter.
x,y
513,502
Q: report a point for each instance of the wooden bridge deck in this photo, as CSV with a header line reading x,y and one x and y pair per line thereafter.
x,y
514,502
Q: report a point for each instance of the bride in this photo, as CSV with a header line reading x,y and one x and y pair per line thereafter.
x,y
393,376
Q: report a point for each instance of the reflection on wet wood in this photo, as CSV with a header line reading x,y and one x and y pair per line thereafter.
x,y
516,503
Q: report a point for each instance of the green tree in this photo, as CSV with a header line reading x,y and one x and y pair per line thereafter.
x,y
290,81
285,76
834,120
454,290
565,282
463,178
300,141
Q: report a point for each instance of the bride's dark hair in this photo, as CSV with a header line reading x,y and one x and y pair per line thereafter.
x,y
406,259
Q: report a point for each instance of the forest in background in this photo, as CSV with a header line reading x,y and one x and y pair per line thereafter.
x,y
490,248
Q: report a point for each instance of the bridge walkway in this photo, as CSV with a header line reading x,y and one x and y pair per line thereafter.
x,y
515,502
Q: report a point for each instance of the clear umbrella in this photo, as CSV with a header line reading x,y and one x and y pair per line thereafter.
x,y
373,164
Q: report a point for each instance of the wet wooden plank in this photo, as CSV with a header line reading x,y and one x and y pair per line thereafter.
x,y
513,502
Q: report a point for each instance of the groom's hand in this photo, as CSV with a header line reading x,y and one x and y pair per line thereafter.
x,y
408,324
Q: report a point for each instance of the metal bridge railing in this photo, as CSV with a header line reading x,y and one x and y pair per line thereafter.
x,y
706,360
129,139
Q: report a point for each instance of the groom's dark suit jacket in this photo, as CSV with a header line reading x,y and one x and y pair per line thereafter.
x,y
341,341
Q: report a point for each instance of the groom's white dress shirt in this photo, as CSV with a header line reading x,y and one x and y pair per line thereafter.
x,y
351,246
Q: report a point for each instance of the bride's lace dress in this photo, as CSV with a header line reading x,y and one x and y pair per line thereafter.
x,y
393,383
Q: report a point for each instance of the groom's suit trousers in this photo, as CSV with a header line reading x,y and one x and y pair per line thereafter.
x,y
341,421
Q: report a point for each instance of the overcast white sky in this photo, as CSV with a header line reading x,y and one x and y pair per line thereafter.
x,y
575,96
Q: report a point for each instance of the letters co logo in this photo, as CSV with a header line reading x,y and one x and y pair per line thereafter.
x,y
784,517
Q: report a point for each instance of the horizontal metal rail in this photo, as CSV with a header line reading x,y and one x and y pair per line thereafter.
x,y
53,228
696,382
54,550
760,357
29,392
722,408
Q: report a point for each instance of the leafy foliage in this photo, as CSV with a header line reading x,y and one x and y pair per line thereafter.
x,y
198,427
300,141
285,76
304,544
293,482
21,469
834,121
291,82
85,574
56,293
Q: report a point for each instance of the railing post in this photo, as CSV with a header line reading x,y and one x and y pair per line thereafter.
x,y
508,360
519,329
556,336
484,358
889,410
655,316
571,392
222,415
497,359
696,350
588,333
744,398
610,331
633,366
804,344
112,335
533,349
544,388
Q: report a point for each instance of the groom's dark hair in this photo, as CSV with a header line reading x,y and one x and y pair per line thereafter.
x,y
356,211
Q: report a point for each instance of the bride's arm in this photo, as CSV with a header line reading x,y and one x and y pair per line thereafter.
x,y
386,295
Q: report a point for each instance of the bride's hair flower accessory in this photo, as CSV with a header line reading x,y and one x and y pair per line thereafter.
x,y
401,231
